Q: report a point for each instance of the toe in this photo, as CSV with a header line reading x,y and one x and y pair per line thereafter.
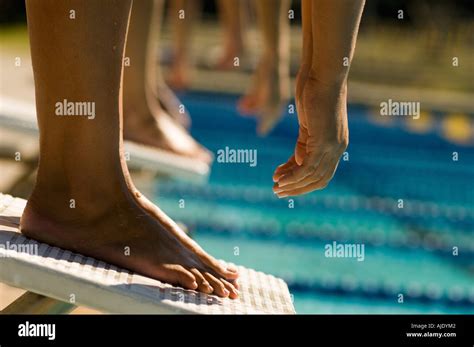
x,y
177,274
231,267
219,288
233,292
229,274
203,285
247,105
225,271
267,121
232,272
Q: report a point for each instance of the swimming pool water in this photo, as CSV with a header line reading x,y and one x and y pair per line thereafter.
x,y
408,250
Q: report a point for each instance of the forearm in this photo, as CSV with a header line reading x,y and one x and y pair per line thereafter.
x,y
335,25
307,52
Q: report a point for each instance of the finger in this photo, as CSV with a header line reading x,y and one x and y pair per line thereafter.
x,y
203,284
299,172
291,161
321,184
219,288
301,191
317,175
283,168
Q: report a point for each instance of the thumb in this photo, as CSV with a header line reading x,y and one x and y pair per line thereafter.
x,y
300,148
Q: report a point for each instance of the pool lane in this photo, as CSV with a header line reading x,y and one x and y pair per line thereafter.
x,y
425,280
409,250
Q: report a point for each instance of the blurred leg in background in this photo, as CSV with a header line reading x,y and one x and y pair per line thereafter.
x,y
167,98
183,15
271,86
145,121
231,17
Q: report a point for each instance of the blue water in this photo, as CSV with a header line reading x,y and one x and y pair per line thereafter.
x,y
408,251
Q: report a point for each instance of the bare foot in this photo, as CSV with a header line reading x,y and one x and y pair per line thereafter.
x,y
222,58
118,230
179,76
151,126
173,227
226,62
267,97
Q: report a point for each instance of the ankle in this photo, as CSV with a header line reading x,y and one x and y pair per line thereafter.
x,y
79,201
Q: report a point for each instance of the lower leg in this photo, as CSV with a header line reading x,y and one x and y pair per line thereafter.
x,y
270,91
77,152
183,13
230,15
83,199
145,121
143,77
